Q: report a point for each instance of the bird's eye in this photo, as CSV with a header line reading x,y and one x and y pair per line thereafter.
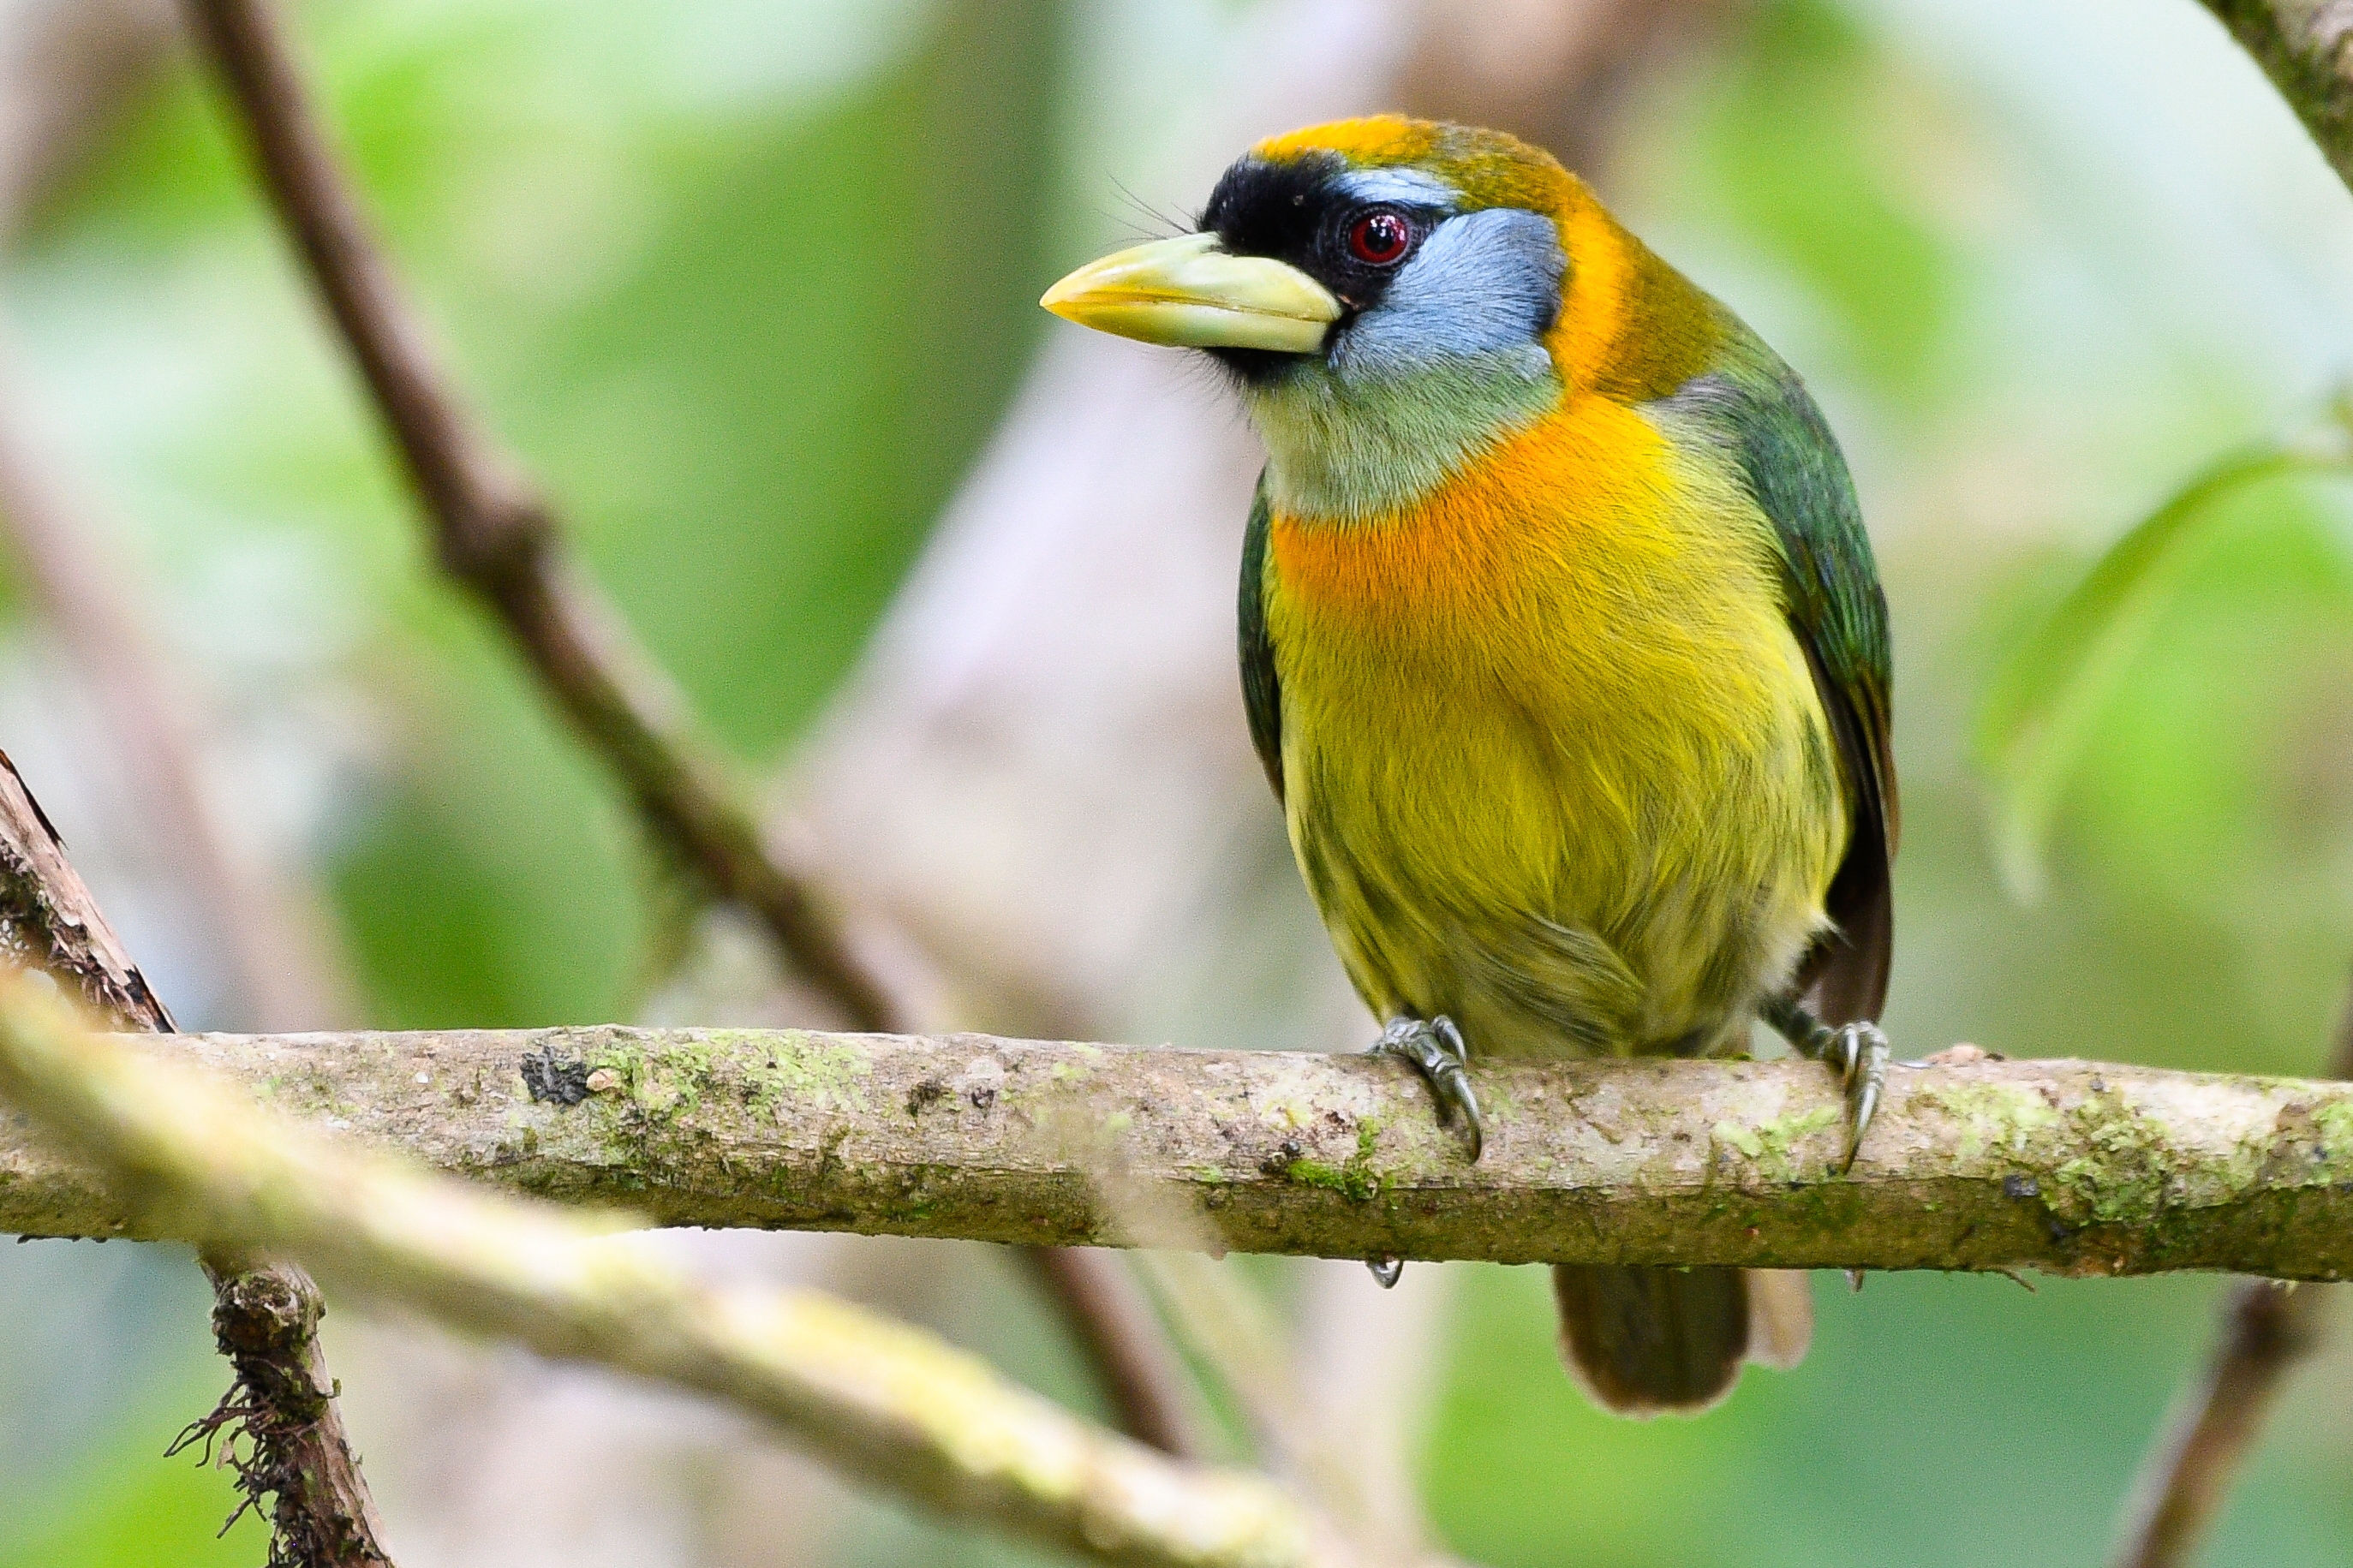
x,y
1380,238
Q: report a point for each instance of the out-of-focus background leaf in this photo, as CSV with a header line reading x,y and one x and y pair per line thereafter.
x,y
750,284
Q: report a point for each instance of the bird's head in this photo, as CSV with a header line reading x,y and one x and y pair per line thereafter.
x,y
1392,295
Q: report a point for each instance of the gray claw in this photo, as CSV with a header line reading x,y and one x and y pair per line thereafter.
x,y
1437,1051
1860,1055
1856,1052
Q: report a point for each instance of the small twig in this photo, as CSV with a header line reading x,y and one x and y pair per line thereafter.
x,y
281,1404
887,1403
49,922
1227,1326
497,535
2266,1331
2306,48
1122,1343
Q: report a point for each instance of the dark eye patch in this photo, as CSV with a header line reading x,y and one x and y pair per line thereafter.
x,y
1262,209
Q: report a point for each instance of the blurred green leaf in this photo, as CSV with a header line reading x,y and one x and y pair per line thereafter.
x,y
2040,707
126,1506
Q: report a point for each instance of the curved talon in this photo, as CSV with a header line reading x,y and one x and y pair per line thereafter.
x,y
1386,1272
1863,1075
1857,1052
1437,1051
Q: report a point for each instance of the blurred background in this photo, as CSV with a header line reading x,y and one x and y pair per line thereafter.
x,y
752,286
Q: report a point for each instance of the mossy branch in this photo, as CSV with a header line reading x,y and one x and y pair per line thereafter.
x,y
2067,1166
887,1403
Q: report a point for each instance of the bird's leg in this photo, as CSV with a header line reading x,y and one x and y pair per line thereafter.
x,y
1436,1052
1856,1052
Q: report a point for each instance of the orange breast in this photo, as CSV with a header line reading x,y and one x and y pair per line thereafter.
x,y
1585,493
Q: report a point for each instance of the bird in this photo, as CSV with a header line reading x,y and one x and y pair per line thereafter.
x,y
1562,645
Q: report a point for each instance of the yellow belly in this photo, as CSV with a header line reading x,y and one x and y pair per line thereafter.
x,y
1552,760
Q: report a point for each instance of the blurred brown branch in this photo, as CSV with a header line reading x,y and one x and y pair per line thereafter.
x,y
887,1403
2068,1166
265,1316
497,535
2306,47
2266,1331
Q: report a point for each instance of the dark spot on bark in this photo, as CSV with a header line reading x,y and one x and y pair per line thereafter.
x,y
924,1095
982,1096
547,1079
1279,1163
2017,1186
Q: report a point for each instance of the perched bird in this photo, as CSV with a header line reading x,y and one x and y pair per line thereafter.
x,y
1561,643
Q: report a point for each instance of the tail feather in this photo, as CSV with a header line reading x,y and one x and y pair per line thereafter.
x,y
1648,1342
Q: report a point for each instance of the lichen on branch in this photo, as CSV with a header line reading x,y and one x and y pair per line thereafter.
x,y
890,1405
2066,1166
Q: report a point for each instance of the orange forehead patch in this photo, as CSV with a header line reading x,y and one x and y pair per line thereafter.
x,y
1491,168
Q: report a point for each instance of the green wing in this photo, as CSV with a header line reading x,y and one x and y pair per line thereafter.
x,y
1757,412
1262,691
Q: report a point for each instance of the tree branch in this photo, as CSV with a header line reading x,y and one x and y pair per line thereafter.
x,y
2073,1167
2267,1330
2265,1333
497,535
2306,47
888,1403
265,1316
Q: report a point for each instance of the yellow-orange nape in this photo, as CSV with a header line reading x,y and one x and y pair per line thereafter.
x,y
1490,168
1630,327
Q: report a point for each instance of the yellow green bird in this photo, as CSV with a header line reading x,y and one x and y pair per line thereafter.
x,y
1561,643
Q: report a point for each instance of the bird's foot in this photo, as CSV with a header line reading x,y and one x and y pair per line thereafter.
x,y
1436,1052
1856,1052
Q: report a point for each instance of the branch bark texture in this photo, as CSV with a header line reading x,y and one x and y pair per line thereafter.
x,y
2306,47
2068,1166
888,1403
497,536
2265,1333
264,1315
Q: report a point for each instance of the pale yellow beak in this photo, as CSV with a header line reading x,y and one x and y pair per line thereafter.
x,y
1187,292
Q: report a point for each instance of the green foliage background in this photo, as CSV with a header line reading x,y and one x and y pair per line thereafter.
x,y
749,287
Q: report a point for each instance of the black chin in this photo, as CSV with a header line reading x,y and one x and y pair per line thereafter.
x,y
1259,367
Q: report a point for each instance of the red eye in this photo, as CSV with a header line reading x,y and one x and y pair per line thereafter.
x,y
1380,238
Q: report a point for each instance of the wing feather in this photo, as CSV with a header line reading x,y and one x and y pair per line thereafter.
x,y
1758,412
1262,688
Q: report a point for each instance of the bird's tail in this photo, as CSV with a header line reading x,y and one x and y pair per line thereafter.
x,y
1647,1341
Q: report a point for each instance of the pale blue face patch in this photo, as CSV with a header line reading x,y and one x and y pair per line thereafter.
x,y
1485,285
1449,360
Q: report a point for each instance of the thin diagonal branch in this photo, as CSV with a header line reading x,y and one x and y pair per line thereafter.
x,y
889,1404
497,535
1119,1339
265,1316
2306,47
2266,1331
